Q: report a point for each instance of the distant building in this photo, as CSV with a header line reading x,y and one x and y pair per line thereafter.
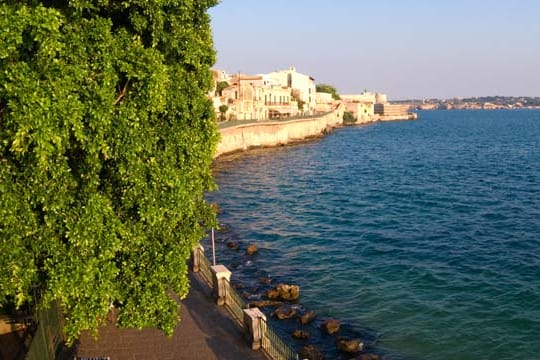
x,y
388,109
303,87
324,102
360,105
245,98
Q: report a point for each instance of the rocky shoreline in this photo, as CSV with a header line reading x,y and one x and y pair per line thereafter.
x,y
311,335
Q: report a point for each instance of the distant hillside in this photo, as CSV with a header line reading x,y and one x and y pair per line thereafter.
x,y
484,102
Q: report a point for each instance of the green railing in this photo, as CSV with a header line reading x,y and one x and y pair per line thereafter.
x,y
204,267
274,346
235,303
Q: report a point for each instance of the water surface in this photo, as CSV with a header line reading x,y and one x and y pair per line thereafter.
x,y
423,237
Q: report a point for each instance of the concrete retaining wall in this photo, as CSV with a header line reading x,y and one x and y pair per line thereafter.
x,y
263,134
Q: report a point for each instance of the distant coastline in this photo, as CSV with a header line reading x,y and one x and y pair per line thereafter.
x,y
474,103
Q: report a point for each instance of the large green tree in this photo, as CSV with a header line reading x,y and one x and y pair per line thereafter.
x,y
106,141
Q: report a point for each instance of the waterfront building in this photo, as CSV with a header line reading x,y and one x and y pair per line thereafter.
x,y
388,109
303,87
324,102
245,98
362,106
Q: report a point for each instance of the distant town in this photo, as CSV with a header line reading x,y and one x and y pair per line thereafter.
x,y
485,102
288,94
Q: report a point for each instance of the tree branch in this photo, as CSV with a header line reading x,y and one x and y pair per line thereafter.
x,y
122,93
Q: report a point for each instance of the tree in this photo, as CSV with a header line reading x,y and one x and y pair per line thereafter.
x,y
223,109
106,142
220,86
325,88
348,117
296,96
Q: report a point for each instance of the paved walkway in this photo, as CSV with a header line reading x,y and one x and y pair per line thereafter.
x,y
205,331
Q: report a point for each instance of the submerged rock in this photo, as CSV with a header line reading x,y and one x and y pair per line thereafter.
x,y
350,345
223,228
307,317
310,352
284,292
265,281
265,303
331,326
284,312
233,245
368,357
251,249
300,334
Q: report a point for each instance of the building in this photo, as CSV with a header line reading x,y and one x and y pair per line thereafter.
x,y
324,102
388,109
303,87
245,98
361,105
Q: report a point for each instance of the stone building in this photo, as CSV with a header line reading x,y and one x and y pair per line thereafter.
x,y
361,105
245,98
324,102
303,87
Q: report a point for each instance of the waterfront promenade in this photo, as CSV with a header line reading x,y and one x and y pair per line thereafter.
x,y
205,332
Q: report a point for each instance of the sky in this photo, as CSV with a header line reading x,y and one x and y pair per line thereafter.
x,y
408,49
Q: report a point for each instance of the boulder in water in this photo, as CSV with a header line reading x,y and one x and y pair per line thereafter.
x,y
331,326
251,249
283,313
307,317
368,357
300,334
310,352
265,303
284,292
350,345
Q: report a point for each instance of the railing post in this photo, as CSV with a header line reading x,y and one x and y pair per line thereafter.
x,y
220,276
195,257
253,327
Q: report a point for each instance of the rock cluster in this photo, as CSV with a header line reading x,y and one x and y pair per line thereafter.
x,y
284,292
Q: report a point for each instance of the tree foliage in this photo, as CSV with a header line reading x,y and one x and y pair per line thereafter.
x,y
223,109
220,85
106,141
325,88
348,117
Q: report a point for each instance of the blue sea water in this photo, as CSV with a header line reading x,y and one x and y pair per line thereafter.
x,y
422,237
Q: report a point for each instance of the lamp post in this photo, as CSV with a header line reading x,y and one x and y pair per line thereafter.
x,y
213,249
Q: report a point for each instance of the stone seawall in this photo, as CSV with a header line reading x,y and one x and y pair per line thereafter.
x,y
266,134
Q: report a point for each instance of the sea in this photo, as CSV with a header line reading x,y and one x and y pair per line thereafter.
x,y
421,237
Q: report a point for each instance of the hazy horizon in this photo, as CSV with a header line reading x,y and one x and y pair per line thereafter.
x,y
408,49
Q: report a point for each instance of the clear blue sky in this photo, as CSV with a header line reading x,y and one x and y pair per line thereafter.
x,y
405,48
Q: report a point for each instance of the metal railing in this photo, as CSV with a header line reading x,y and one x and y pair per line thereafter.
x,y
274,346
204,267
235,303
271,343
